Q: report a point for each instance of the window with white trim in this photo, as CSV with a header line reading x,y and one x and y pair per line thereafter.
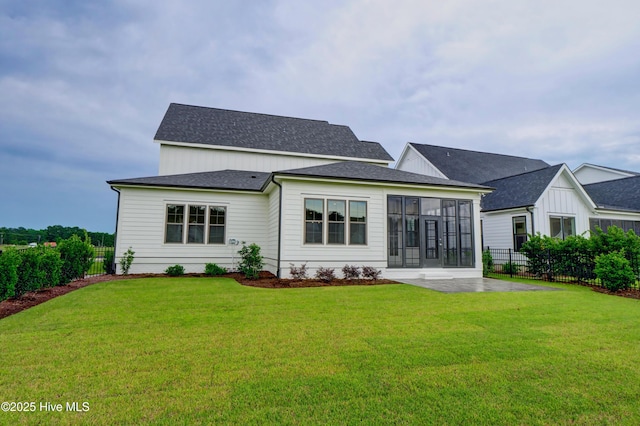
x,y
562,226
202,223
343,218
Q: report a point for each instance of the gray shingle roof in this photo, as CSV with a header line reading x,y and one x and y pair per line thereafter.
x,y
522,190
221,127
223,179
619,194
355,170
476,167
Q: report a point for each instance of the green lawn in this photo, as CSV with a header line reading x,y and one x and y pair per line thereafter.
x,y
203,350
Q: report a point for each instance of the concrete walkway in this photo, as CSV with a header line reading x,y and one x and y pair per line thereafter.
x,y
470,285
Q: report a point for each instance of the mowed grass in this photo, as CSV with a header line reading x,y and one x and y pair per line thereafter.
x,y
202,351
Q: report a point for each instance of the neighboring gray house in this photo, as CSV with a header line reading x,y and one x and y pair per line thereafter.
x,y
530,195
306,191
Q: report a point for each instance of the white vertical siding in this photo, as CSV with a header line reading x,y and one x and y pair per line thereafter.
x,y
141,226
562,201
416,163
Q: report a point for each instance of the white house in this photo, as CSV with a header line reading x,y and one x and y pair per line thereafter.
x,y
306,191
530,195
591,173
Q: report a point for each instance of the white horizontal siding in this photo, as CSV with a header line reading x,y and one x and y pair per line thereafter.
x,y
141,226
179,159
295,251
587,175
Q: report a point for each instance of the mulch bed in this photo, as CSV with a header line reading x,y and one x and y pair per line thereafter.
x,y
266,280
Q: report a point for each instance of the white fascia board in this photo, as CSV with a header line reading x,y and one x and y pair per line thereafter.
x,y
633,215
181,188
479,191
272,152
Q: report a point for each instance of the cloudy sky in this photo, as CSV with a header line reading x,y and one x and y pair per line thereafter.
x,y
85,84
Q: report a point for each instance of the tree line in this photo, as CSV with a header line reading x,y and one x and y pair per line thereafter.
x,y
55,233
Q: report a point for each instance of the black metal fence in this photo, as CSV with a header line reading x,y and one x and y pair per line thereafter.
x,y
549,266
98,266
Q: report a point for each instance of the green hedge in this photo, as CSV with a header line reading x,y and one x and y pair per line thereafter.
x,y
35,268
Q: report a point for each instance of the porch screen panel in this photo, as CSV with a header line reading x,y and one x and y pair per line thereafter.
x,y
450,232
394,229
412,232
466,240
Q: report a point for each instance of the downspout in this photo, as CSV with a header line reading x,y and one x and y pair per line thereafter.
x,y
273,179
533,226
115,235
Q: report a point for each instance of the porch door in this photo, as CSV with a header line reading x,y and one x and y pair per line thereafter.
x,y
432,250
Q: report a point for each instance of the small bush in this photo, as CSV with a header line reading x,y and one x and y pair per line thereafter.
x,y
351,272
252,261
614,271
175,270
326,274
213,269
108,262
371,273
510,268
9,263
126,260
298,273
487,262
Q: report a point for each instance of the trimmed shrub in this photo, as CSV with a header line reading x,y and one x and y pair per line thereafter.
x,y
351,272
30,276
371,273
487,262
326,274
213,269
252,261
9,262
126,260
77,257
614,271
175,270
51,266
298,273
108,262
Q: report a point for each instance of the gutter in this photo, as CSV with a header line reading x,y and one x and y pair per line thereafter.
x,y
273,179
115,235
533,226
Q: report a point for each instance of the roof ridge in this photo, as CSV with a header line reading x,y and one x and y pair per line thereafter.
x,y
476,152
526,173
256,113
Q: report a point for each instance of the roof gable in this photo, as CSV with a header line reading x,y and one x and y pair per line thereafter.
x,y
226,128
522,190
474,166
619,194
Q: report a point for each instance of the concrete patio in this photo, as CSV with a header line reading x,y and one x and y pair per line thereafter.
x,y
473,285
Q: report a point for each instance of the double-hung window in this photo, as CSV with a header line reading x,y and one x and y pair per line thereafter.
x,y
313,220
562,227
358,222
519,231
336,209
203,224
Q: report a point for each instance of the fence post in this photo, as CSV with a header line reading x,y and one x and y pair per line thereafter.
x,y
510,265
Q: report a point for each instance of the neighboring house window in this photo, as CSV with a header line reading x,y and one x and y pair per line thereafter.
x,y
175,224
519,231
358,222
562,226
197,224
336,212
197,217
313,218
216,224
